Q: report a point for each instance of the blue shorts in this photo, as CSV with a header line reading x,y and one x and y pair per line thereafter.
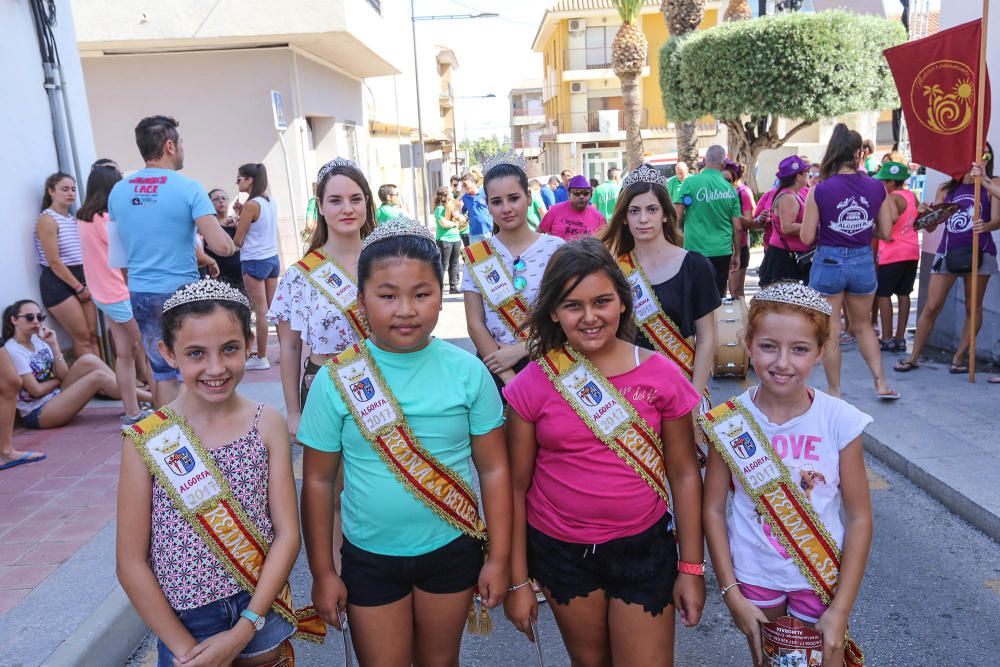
x,y
836,270
34,418
120,312
261,269
148,310
221,615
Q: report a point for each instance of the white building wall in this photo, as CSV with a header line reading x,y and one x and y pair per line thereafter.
x,y
27,138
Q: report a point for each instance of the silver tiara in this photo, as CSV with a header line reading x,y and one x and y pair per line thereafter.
x,y
398,226
644,174
336,162
795,294
509,157
206,289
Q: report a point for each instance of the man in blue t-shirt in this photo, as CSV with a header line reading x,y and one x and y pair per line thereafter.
x,y
155,213
549,192
474,206
562,192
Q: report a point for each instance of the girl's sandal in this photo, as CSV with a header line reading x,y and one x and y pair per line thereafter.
x,y
905,366
958,369
994,380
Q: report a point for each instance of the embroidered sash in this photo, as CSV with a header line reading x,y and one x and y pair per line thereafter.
x,y
608,415
336,284
497,287
652,321
740,440
200,492
383,424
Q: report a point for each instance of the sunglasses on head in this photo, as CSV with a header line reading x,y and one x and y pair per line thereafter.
x,y
579,193
32,316
520,282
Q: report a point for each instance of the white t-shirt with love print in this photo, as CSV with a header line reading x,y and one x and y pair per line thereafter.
x,y
809,445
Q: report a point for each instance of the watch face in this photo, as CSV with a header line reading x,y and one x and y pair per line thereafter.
x,y
259,624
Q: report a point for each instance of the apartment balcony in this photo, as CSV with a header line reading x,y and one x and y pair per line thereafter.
x,y
590,64
529,148
528,116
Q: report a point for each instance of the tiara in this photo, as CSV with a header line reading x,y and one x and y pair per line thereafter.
x,y
398,226
509,157
335,162
644,174
206,289
795,294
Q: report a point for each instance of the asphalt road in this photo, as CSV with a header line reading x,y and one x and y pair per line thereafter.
x,y
931,596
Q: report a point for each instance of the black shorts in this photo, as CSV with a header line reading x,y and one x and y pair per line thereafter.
x,y
896,278
721,265
744,257
373,580
639,569
54,290
779,264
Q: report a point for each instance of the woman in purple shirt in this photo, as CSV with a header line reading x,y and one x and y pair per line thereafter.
x,y
843,213
954,258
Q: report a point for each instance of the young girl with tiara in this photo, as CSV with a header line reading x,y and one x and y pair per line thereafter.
x,y
207,524
793,457
503,273
598,431
403,411
674,290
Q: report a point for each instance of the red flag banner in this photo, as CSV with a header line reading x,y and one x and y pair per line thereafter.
x,y
937,80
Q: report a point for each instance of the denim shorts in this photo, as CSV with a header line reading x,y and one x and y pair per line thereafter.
x,y
147,307
221,615
836,270
120,311
261,269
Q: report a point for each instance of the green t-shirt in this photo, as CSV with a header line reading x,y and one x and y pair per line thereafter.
x,y
674,188
447,396
605,197
534,212
444,233
710,204
387,212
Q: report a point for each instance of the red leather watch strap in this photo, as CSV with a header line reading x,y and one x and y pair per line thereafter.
x,y
697,569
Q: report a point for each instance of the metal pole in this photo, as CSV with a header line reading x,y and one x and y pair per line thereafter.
x,y
454,126
291,191
420,117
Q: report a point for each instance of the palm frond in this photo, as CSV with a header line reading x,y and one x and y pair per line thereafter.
x,y
628,10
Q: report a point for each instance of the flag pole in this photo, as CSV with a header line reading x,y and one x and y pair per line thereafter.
x,y
977,188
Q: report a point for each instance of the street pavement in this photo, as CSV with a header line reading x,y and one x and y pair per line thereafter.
x,y
931,594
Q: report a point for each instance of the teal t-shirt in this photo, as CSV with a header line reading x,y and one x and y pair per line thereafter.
x,y
447,395
387,212
710,204
605,197
444,233
674,188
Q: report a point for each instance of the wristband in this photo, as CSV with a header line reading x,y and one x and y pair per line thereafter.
x,y
697,569
725,590
79,288
516,586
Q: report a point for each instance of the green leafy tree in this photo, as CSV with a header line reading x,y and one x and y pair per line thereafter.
x,y
797,66
628,58
480,149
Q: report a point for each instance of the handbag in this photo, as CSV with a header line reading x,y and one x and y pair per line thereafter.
x,y
803,260
958,260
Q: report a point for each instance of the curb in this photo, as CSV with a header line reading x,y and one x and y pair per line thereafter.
x,y
954,500
108,636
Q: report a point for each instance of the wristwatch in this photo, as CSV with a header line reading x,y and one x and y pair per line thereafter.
x,y
697,569
256,619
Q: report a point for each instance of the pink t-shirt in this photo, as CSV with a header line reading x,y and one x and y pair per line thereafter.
x,y
581,491
764,204
904,245
567,223
747,206
779,239
106,285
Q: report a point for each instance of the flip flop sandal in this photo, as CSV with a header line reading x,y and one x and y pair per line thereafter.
x,y
29,457
905,366
994,380
958,369
891,396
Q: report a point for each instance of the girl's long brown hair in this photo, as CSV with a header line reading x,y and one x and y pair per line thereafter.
x,y
320,233
567,267
618,237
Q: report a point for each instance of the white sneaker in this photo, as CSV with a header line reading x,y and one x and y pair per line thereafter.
x,y
255,363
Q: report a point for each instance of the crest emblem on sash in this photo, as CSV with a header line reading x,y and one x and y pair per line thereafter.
x,y
636,292
334,279
493,277
590,394
744,446
363,390
180,462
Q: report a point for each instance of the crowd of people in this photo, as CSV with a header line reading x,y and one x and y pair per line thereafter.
x,y
594,333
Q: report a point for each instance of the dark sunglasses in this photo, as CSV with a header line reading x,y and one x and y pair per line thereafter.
x,y
520,282
31,317
579,193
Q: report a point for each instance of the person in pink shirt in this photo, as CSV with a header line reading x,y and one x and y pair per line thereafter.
x,y
110,292
897,257
733,172
575,217
591,530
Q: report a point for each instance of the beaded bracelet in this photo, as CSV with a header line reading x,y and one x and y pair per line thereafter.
x,y
516,586
726,589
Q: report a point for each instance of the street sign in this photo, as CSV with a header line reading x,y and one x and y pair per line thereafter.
x,y
278,110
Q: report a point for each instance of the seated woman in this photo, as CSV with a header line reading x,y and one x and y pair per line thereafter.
x,y
10,384
52,393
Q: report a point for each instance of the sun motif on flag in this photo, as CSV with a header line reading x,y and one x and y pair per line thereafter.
x,y
948,94
963,89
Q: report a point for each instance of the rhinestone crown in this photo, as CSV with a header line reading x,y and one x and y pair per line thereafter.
x,y
398,226
206,289
644,174
796,294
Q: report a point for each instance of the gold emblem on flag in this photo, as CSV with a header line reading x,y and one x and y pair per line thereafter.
x,y
945,91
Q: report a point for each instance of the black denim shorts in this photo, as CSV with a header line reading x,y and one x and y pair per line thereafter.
x,y
639,569
373,580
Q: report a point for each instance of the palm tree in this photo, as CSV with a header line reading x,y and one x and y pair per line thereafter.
x,y
738,10
628,58
684,17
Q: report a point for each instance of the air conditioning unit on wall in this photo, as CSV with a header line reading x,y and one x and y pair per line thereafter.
x,y
578,87
577,25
